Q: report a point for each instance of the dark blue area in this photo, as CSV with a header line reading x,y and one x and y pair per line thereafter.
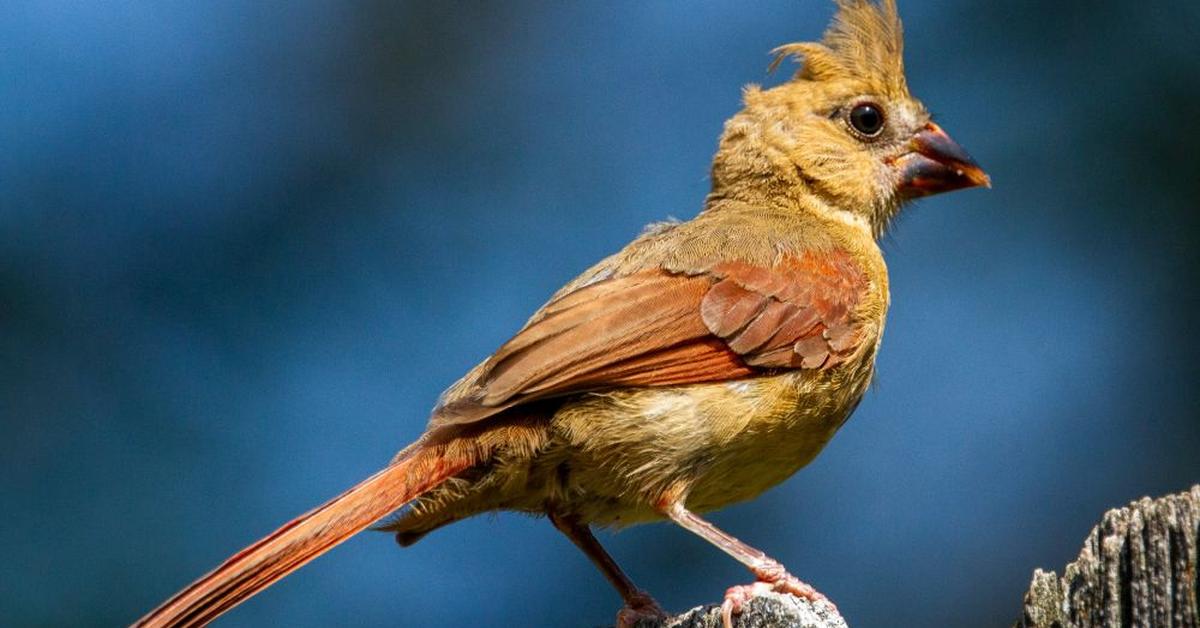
x,y
244,246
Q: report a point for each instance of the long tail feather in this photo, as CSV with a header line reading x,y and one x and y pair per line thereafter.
x,y
303,539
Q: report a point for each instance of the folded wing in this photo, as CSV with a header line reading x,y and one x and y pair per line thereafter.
x,y
666,328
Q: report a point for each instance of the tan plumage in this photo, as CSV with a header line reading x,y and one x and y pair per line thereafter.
x,y
703,363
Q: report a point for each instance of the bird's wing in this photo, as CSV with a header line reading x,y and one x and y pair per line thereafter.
x,y
664,328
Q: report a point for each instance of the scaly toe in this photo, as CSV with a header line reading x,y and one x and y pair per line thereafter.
x,y
736,597
642,608
794,586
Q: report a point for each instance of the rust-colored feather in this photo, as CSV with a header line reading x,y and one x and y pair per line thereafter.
x,y
727,310
303,539
661,328
798,301
706,360
622,318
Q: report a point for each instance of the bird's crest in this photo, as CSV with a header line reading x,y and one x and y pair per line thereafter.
x,y
865,43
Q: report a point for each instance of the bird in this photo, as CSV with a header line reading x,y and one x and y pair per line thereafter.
x,y
703,363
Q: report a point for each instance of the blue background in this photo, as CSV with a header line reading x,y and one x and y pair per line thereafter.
x,y
244,245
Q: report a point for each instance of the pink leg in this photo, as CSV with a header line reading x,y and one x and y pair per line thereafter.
x,y
771,575
638,603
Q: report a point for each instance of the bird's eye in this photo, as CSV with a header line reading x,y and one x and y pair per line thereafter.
x,y
867,119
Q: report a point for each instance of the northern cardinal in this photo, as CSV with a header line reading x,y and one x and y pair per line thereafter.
x,y
705,362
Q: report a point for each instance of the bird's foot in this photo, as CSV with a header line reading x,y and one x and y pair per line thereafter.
x,y
770,578
639,608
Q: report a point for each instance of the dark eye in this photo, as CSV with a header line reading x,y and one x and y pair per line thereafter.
x,y
867,118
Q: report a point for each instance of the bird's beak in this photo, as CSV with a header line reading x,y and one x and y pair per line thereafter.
x,y
935,163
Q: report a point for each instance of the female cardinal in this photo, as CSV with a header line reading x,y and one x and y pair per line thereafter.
x,y
703,363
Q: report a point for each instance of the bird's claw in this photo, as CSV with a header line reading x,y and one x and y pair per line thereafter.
x,y
736,597
769,580
641,607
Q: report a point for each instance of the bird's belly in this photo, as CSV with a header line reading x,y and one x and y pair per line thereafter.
x,y
776,440
717,443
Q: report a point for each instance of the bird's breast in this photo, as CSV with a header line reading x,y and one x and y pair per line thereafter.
x,y
721,442
781,423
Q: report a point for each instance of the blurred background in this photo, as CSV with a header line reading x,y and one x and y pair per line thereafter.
x,y
243,246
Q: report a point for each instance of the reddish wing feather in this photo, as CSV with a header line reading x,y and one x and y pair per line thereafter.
x,y
624,318
660,328
802,309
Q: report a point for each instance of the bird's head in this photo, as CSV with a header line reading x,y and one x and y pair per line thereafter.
x,y
845,128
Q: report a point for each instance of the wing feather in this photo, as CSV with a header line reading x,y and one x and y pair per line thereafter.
x,y
662,328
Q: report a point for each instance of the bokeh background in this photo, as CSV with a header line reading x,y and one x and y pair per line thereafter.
x,y
244,245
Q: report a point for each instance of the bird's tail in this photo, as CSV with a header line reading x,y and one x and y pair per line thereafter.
x,y
304,538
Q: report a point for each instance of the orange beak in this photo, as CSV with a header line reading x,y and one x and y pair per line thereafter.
x,y
937,164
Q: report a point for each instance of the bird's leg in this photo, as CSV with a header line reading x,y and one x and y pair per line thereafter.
x,y
771,575
638,603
